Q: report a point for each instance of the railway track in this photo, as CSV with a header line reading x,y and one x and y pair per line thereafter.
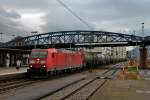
x,y
8,85
65,92
83,89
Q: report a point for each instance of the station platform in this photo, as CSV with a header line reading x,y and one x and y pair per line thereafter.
x,y
12,70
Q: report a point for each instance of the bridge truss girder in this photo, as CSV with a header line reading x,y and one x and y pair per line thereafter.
x,y
56,39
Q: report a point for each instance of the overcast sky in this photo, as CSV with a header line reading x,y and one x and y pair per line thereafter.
x,y
20,17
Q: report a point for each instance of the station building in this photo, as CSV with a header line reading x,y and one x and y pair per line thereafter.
x,y
9,57
110,51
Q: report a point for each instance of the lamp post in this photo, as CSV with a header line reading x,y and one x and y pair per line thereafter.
x,y
143,51
143,30
136,57
1,35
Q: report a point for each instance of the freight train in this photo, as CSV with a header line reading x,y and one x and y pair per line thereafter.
x,y
45,61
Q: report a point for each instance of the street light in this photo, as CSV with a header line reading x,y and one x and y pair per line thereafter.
x,y
143,30
1,35
136,57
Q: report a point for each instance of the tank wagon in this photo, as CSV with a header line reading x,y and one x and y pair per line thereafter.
x,y
45,61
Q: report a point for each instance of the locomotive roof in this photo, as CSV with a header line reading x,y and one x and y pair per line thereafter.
x,y
65,51
39,49
55,50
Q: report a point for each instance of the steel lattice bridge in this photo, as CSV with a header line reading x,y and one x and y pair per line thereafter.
x,y
66,39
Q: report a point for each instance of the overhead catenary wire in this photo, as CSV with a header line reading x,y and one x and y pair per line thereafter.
x,y
74,14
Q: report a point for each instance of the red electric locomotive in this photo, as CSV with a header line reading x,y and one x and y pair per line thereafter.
x,y
42,61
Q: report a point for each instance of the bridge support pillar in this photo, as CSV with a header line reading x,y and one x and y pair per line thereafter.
x,y
11,59
1,59
15,60
7,60
143,57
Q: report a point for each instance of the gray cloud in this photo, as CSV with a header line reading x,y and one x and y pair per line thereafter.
x,y
109,15
9,28
10,14
10,25
61,20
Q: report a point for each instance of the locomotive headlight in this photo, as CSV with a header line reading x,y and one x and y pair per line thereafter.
x,y
44,66
42,62
32,62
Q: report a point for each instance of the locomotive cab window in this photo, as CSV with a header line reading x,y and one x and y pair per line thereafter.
x,y
43,54
39,54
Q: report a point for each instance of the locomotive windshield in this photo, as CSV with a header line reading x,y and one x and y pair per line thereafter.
x,y
39,54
